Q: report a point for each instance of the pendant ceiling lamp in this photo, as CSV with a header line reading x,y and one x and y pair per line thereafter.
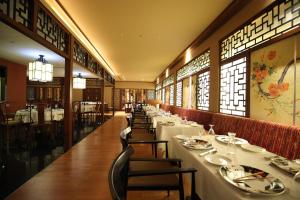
x,y
79,82
40,70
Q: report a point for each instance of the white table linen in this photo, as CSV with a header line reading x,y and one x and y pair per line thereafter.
x,y
211,186
24,115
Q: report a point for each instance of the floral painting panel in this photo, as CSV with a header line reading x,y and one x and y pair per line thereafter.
x,y
272,85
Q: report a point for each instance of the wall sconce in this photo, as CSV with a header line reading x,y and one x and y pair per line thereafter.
x,y
79,82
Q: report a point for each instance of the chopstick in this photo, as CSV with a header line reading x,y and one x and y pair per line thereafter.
x,y
248,176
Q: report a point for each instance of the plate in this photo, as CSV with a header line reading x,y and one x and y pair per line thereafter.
x,y
252,180
225,139
253,148
291,167
197,145
182,137
217,159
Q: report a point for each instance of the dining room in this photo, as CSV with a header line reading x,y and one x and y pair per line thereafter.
x,y
168,100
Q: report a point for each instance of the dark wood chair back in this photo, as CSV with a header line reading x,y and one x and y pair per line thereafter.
x,y
125,134
118,175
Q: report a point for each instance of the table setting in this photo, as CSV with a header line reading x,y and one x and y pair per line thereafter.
x,y
230,165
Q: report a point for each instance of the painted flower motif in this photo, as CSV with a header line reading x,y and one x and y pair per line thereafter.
x,y
276,90
271,55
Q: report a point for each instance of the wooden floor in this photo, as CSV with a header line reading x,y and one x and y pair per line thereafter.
x,y
82,172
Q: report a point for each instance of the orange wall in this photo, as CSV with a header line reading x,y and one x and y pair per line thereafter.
x,y
16,85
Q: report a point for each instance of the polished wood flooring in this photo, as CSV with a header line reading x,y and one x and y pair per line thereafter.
x,y
82,172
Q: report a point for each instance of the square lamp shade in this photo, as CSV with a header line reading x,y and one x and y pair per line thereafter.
x,y
79,82
40,70
35,70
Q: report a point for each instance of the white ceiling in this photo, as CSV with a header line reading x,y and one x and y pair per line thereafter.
x,y
140,38
16,47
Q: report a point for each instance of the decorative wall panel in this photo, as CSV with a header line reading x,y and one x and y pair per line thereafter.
x,y
93,65
199,63
203,91
233,87
51,31
168,81
278,20
18,10
172,94
179,94
163,95
150,94
80,54
158,87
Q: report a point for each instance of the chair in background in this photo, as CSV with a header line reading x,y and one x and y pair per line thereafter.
x,y
122,178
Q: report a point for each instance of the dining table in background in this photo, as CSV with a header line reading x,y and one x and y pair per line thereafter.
x,y
24,115
211,186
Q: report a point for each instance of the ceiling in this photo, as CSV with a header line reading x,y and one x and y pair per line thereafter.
x,y
16,47
140,38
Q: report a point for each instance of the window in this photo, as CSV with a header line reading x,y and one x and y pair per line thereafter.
x,y
233,87
163,96
203,81
172,94
179,94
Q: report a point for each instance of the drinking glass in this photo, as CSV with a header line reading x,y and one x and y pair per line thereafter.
x,y
231,147
211,130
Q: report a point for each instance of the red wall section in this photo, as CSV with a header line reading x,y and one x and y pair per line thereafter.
x,y
16,85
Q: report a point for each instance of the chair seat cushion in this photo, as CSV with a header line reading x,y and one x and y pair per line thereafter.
x,y
152,182
148,165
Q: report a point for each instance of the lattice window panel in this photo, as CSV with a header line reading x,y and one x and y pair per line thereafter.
x,y
158,87
93,65
50,30
80,54
163,96
18,10
179,94
172,95
150,94
168,81
233,87
280,19
203,82
199,63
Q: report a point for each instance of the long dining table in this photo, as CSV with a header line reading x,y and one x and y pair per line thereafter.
x,y
210,185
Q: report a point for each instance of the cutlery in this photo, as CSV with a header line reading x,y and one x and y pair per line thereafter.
x,y
251,176
207,152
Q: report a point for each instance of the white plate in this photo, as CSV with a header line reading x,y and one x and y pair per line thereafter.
x,y
225,139
217,159
253,148
182,137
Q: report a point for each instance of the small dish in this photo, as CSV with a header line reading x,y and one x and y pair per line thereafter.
x,y
253,148
217,159
225,139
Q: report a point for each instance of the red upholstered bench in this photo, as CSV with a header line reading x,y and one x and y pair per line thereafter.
x,y
277,138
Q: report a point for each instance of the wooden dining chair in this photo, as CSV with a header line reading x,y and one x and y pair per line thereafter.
x,y
128,138
122,178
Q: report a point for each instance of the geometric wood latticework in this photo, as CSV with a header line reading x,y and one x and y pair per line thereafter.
x,y
203,91
172,95
158,87
150,94
93,65
233,87
199,63
274,22
163,95
179,94
51,31
80,54
18,10
168,81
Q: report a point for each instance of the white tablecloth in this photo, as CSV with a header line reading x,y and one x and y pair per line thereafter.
x,y
211,186
24,115
164,119
168,132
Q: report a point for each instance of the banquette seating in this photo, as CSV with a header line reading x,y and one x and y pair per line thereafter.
x,y
281,139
